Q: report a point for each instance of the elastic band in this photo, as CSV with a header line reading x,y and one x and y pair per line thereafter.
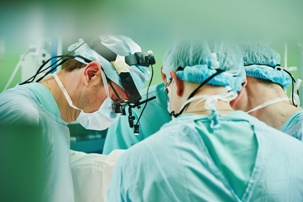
x,y
68,99
270,102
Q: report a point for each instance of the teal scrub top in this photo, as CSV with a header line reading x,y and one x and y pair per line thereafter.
x,y
232,157
34,142
294,126
121,136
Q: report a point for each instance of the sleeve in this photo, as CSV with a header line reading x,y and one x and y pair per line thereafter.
x,y
91,174
22,173
125,181
119,136
115,191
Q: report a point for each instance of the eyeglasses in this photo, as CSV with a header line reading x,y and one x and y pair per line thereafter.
x,y
118,106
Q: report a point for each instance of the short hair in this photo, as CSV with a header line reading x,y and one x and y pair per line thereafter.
x,y
72,65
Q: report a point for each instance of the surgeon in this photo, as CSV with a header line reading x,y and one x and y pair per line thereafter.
x,y
209,152
35,159
263,94
121,136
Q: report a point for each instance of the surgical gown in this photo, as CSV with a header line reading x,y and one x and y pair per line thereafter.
x,y
294,126
121,136
34,142
36,163
232,157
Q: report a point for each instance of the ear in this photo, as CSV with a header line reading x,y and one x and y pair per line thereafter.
x,y
240,94
179,83
163,76
91,71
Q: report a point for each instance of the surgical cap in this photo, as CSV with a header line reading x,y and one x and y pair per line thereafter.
x,y
195,61
260,62
121,45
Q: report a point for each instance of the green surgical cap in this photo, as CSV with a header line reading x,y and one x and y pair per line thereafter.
x,y
121,45
196,60
263,62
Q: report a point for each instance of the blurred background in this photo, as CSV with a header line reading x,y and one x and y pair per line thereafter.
x,y
32,31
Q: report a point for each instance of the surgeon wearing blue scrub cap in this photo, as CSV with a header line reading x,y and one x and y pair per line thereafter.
x,y
36,164
264,93
208,152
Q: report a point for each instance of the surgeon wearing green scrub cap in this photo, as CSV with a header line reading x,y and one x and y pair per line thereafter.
x,y
208,152
263,95
35,159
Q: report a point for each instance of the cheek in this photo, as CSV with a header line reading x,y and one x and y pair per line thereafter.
x,y
238,103
174,100
97,101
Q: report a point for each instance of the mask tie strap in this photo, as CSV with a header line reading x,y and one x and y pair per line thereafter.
x,y
265,104
105,84
67,97
106,88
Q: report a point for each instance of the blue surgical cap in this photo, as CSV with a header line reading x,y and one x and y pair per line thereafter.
x,y
196,60
263,62
121,45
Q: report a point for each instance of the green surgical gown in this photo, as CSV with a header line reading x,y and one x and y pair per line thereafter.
x,y
121,136
34,144
232,157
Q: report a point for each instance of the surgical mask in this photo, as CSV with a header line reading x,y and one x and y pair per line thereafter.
x,y
167,90
168,106
99,120
270,102
168,94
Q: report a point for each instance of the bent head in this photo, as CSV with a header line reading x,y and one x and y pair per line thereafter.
x,y
196,61
263,70
263,62
101,78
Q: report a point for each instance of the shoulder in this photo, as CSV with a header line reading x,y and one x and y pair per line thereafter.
x,y
294,125
158,91
15,107
153,90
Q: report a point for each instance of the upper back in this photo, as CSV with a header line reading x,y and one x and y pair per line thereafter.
x,y
188,160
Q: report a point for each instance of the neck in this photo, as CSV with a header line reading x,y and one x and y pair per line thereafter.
x,y
221,107
68,113
274,115
197,106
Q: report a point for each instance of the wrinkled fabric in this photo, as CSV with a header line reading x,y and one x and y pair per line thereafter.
x,y
260,61
91,174
187,160
34,144
121,136
36,161
294,126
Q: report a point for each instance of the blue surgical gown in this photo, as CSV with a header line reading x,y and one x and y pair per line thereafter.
x,y
232,157
34,142
294,126
121,136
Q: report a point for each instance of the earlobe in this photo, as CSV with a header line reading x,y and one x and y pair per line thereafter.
x,y
179,83
245,83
